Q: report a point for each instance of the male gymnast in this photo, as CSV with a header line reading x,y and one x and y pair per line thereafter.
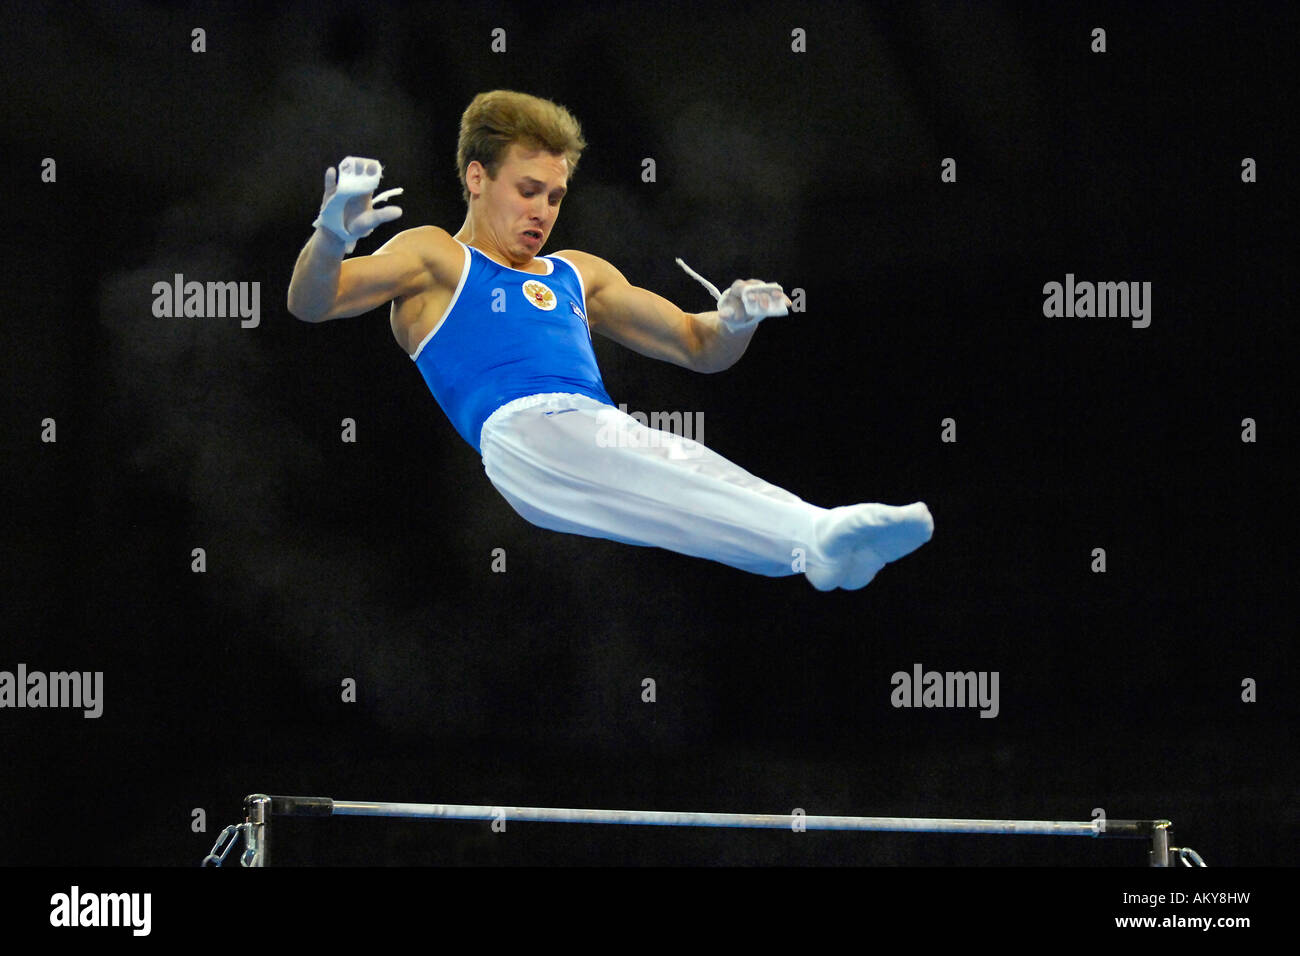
x,y
502,337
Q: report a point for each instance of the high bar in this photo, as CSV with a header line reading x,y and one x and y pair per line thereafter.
x,y
327,806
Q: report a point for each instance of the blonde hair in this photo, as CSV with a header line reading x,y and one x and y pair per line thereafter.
x,y
494,120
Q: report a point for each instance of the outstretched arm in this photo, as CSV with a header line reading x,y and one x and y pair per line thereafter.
x,y
649,324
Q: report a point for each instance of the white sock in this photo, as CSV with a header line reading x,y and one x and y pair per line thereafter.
x,y
858,540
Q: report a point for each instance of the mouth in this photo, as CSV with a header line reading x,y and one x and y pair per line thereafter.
x,y
533,235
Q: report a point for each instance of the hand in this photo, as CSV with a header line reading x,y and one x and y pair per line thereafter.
x,y
750,301
347,209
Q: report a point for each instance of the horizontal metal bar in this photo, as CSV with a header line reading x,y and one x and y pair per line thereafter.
x,y
324,806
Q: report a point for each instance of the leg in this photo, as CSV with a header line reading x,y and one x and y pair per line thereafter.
x,y
568,463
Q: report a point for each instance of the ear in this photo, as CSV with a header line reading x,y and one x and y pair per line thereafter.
x,y
474,174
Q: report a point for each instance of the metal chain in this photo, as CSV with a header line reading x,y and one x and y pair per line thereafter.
x,y
1186,853
232,833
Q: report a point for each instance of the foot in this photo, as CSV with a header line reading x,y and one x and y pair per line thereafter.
x,y
855,541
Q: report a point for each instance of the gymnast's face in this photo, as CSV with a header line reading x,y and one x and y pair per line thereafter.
x,y
518,209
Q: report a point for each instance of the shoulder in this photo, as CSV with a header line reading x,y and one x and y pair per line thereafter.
x,y
596,272
440,253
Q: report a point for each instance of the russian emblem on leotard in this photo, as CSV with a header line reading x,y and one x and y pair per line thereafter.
x,y
539,294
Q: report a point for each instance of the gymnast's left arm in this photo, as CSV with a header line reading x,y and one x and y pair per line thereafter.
x,y
653,326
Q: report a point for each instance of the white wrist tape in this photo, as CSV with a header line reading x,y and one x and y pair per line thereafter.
x,y
713,289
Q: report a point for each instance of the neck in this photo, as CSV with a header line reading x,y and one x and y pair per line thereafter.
x,y
472,235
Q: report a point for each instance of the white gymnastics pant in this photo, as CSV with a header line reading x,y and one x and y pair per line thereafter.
x,y
569,463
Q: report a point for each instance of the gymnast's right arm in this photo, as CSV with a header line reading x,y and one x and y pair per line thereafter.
x,y
327,286
324,286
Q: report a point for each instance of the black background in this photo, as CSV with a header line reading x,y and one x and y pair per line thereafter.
x,y
819,170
